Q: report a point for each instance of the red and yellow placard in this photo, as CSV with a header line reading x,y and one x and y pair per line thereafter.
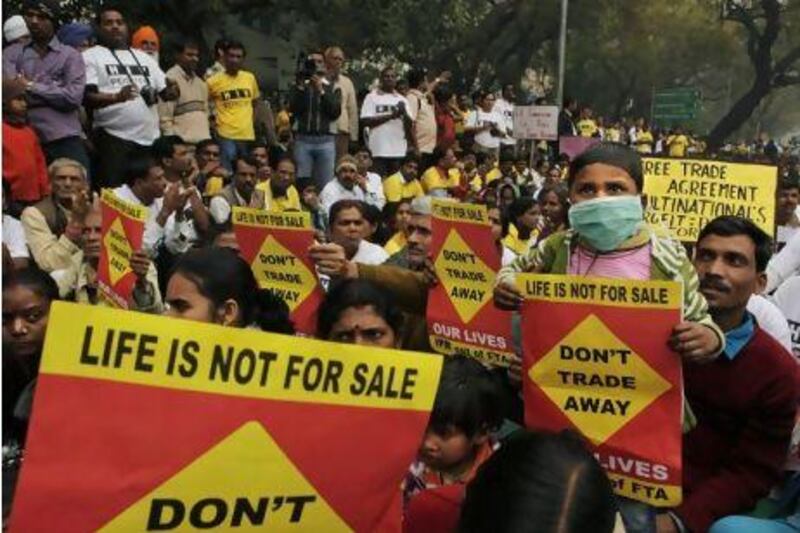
x,y
596,359
122,234
143,422
461,317
276,246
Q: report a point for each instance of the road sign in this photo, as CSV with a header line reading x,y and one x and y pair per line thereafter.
x,y
675,105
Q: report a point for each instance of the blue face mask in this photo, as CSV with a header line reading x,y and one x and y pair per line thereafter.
x,y
605,223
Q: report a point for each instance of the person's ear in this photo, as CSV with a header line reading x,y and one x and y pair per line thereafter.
x,y
761,283
228,313
481,437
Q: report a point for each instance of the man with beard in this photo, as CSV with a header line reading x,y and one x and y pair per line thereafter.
x,y
745,399
345,186
418,237
279,191
241,192
123,86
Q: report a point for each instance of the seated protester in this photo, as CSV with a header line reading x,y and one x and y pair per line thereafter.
x,y
212,176
507,194
27,295
443,177
499,232
146,185
53,225
468,166
784,264
358,312
418,237
241,192
260,153
309,201
279,191
467,409
78,283
15,246
222,236
541,482
786,221
373,229
217,286
190,220
523,217
397,216
345,186
506,166
523,176
24,166
346,228
370,182
744,400
403,184
554,205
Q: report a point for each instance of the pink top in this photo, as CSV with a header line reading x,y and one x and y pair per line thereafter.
x,y
627,264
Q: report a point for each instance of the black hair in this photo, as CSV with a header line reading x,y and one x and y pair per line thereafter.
x,y
341,205
443,93
182,43
469,398
363,148
610,153
235,45
540,482
507,155
206,142
410,157
439,153
387,68
789,182
349,293
416,76
247,158
220,44
372,214
221,274
138,167
105,8
35,279
731,226
164,146
519,207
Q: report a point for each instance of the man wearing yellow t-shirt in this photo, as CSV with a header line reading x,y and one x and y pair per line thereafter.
x,y
279,191
404,184
438,180
677,143
587,127
234,93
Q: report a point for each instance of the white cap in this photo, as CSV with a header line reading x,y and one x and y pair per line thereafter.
x,y
14,28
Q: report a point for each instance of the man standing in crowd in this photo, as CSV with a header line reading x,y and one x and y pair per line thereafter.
x,y
346,126
315,104
487,125
53,77
420,107
186,117
235,95
745,400
385,113
123,86
504,107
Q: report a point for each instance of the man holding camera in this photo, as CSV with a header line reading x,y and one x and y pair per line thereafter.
x,y
123,86
314,103
385,113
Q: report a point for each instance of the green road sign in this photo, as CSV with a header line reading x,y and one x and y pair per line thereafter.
x,y
679,104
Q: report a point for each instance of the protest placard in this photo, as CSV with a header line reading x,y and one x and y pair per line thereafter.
x,y
686,194
599,363
143,422
122,234
539,122
461,317
276,246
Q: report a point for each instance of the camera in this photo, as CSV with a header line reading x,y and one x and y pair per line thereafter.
x,y
149,95
306,66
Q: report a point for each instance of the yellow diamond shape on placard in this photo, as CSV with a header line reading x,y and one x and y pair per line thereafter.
x,y
280,271
244,483
465,277
597,381
118,250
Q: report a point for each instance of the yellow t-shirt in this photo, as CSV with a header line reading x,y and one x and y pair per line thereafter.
x,y
517,245
587,127
290,202
396,243
396,188
433,179
493,175
644,142
214,184
233,101
613,134
677,145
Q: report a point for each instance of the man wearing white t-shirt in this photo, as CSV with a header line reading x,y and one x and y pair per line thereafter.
x,y
486,124
385,112
123,86
505,108
344,187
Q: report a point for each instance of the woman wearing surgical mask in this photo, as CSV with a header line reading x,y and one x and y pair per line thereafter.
x,y
609,238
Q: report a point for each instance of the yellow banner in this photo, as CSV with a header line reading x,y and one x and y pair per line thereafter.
x,y
490,356
601,291
685,194
139,212
100,343
655,493
455,212
288,220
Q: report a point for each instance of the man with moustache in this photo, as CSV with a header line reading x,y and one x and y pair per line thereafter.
x,y
744,400
418,237
241,192
345,186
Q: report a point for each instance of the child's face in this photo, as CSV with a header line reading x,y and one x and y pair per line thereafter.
x,y
452,450
599,180
17,107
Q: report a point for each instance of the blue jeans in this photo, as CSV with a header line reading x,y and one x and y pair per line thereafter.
x,y
230,149
315,156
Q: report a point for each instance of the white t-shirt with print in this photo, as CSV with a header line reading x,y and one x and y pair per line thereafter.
x,y
787,298
388,139
477,118
133,120
505,109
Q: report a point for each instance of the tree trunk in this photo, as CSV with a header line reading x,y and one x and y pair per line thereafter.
x,y
739,114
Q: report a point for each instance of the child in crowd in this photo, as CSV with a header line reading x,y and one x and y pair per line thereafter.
x,y
467,409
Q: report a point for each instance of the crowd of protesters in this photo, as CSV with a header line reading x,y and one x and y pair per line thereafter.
x,y
88,107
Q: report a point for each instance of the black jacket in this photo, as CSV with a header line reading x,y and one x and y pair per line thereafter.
x,y
312,111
